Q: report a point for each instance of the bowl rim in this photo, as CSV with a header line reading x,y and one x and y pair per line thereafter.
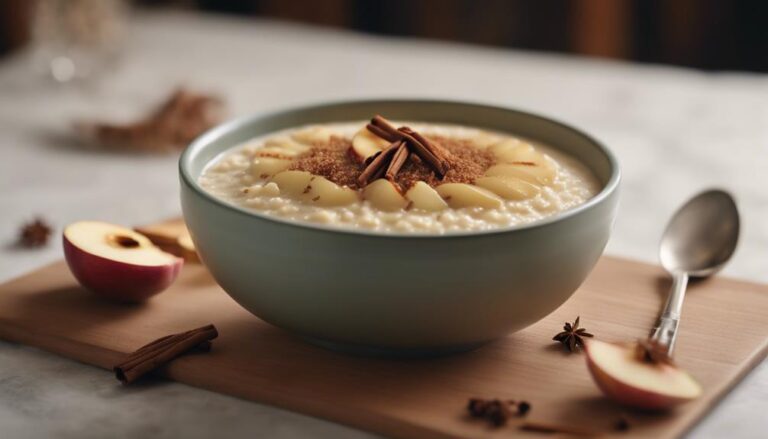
x,y
222,129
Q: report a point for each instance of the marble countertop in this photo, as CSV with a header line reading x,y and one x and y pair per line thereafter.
x,y
675,132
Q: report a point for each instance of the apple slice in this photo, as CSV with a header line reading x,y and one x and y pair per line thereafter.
x,y
324,192
276,152
423,197
530,155
509,188
116,262
460,195
286,143
384,195
366,144
265,167
506,151
293,183
484,140
623,377
313,135
527,171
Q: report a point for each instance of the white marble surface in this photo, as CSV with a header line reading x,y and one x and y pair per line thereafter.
x,y
675,132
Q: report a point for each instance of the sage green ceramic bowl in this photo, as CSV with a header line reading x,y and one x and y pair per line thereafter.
x,y
398,294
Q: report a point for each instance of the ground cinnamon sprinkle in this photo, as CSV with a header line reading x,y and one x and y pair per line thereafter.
x,y
333,161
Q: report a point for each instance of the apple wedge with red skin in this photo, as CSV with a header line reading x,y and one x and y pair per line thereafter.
x,y
630,381
116,262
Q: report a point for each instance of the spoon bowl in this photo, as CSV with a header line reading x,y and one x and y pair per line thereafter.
x,y
702,235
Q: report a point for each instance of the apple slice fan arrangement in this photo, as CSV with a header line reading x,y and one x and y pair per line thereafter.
x,y
124,266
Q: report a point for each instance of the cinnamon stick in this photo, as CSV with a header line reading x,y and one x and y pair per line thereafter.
x,y
384,134
371,158
377,166
422,151
161,351
383,124
405,144
434,148
401,155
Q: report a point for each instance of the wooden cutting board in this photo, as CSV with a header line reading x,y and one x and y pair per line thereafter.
x,y
723,335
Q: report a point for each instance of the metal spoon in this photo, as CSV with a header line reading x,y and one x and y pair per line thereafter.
x,y
699,239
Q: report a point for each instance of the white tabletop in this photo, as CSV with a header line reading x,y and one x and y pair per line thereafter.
x,y
675,132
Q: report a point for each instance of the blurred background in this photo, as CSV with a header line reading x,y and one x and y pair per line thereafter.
x,y
704,34
91,89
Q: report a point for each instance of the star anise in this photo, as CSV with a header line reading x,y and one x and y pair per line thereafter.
x,y
34,234
651,351
572,335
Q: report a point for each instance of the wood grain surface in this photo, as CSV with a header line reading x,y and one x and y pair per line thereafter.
x,y
724,333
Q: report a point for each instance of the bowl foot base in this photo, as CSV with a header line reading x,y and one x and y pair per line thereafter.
x,y
390,352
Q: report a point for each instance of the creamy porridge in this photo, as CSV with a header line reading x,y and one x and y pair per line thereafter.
x,y
423,179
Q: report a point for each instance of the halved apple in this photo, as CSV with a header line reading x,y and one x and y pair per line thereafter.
x,y
165,233
423,197
459,195
384,195
116,262
623,377
509,188
366,144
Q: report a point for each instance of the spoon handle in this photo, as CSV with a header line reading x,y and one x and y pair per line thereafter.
x,y
665,331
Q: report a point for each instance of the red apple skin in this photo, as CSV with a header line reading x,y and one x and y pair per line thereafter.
x,y
117,280
627,394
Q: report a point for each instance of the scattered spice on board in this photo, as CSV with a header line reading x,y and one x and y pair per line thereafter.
x,y
34,233
497,411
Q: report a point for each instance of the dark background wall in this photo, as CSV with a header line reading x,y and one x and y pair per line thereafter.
x,y
706,34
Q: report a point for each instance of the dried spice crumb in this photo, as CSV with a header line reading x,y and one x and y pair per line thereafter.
x,y
334,162
34,233
497,411
622,424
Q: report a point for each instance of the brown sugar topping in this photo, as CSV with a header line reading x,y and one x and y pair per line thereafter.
x,y
333,161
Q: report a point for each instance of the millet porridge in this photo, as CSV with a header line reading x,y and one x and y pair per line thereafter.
x,y
418,178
